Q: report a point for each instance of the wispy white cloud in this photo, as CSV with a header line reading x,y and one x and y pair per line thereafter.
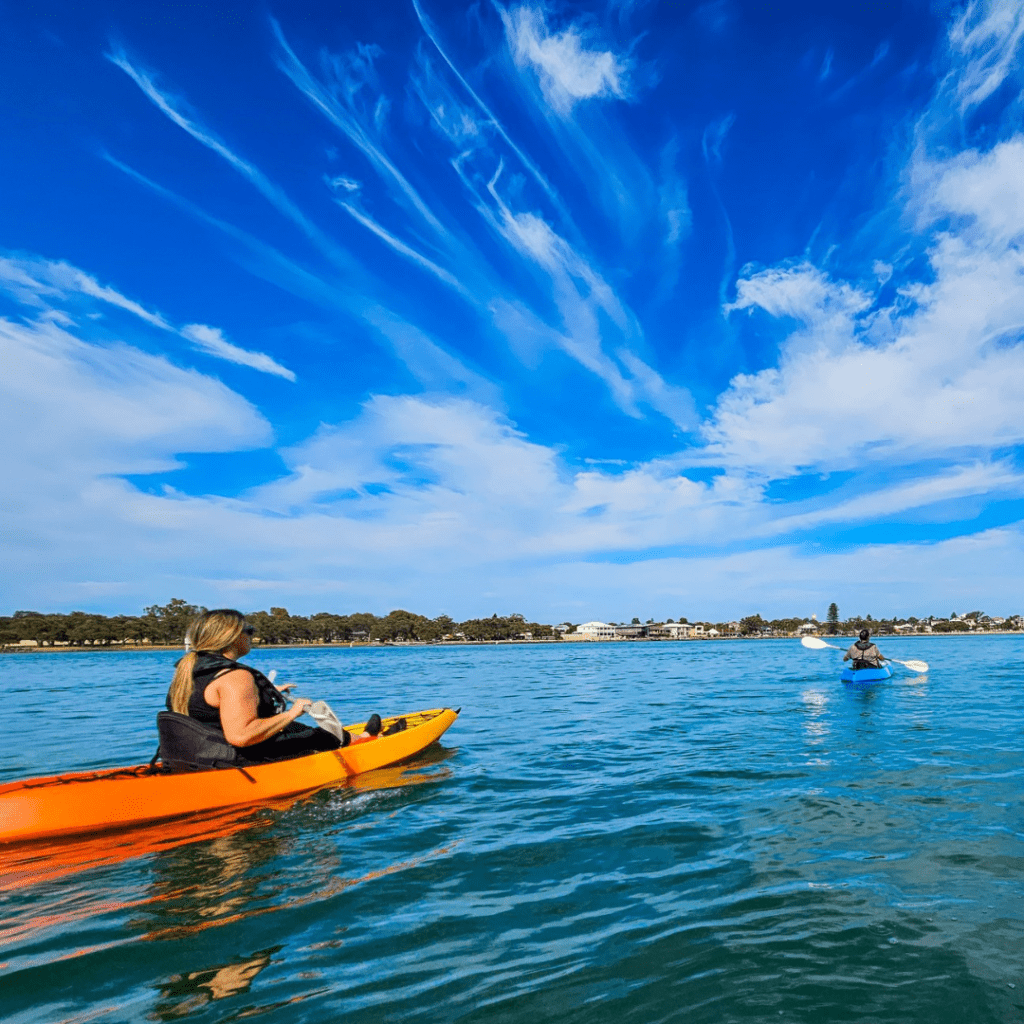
x,y
47,285
985,41
430,29
674,199
263,260
589,312
673,402
345,98
977,480
716,15
175,109
440,461
939,372
426,361
348,184
983,191
211,340
712,144
80,410
435,368
714,138
826,65
464,125
568,69
579,333
36,282
336,104
407,251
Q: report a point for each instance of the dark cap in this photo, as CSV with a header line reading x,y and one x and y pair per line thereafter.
x,y
864,634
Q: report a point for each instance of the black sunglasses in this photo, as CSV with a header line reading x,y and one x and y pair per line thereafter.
x,y
249,630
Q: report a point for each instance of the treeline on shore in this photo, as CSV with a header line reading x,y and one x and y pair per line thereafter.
x,y
166,624
754,625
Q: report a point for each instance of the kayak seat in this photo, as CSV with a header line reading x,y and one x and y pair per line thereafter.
x,y
187,745
190,746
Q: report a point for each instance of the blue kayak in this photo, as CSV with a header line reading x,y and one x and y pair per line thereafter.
x,y
866,675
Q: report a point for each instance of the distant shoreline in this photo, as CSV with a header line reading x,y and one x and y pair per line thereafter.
x,y
362,644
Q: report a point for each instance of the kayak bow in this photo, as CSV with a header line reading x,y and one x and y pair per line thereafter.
x,y
82,802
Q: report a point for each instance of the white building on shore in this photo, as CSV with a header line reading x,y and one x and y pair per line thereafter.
x,y
675,630
596,631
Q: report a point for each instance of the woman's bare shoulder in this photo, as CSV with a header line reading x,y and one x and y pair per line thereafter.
x,y
234,679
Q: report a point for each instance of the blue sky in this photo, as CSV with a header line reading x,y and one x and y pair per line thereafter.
x,y
585,311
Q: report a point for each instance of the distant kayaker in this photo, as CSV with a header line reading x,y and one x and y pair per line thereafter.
x,y
211,687
863,653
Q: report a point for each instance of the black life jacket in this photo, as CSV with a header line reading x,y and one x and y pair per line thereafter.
x,y
869,662
195,742
209,665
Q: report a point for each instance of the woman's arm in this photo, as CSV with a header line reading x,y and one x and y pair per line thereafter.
x,y
234,694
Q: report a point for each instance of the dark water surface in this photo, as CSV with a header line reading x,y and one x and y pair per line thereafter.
x,y
610,832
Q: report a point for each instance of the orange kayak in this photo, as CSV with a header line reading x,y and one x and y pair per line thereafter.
x,y
82,802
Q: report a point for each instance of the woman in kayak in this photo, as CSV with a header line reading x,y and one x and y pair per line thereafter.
x,y
211,687
864,653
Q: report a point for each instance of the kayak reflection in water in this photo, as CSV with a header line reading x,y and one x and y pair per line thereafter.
x,y
235,702
863,653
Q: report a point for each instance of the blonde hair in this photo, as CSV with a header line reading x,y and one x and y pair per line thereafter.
x,y
212,631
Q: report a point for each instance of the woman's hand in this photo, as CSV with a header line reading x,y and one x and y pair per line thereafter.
x,y
301,705
285,688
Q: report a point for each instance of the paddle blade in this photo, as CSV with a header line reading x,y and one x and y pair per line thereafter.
x,y
321,713
813,643
272,674
916,666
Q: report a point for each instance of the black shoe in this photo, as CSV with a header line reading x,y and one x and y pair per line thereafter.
x,y
373,725
397,726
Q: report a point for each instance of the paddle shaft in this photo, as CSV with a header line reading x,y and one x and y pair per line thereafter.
x,y
913,666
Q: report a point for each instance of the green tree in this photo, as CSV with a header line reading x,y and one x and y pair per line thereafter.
x,y
785,625
833,618
401,625
166,624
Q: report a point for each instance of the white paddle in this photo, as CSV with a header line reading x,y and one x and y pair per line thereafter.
x,y
319,711
816,645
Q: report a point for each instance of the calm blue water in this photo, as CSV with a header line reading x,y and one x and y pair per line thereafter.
x,y
630,832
